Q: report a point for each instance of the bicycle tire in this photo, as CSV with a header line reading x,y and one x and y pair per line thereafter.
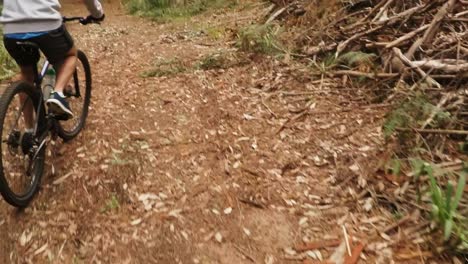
x,y
63,132
6,99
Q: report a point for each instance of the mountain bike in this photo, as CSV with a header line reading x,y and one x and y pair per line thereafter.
x,y
22,157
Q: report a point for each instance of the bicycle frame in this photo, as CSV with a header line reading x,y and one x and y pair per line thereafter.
x,y
45,121
42,73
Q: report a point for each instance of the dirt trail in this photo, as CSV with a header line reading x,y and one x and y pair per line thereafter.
x,y
191,168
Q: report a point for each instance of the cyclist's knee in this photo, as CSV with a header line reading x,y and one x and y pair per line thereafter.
x,y
72,55
73,52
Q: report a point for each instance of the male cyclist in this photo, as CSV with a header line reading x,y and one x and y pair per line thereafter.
x,y
40,22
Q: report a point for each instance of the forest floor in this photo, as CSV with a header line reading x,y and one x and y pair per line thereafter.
x,y
238,164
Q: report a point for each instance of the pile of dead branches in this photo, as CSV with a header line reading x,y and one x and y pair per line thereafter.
x,y
419,50
421,45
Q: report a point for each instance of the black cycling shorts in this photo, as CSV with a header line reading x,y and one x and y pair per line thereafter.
x,y
55,45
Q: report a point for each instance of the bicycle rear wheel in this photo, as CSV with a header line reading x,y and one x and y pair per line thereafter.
x,y
21,159
79,96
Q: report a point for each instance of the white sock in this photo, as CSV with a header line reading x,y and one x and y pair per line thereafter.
x,y
61,94
29,130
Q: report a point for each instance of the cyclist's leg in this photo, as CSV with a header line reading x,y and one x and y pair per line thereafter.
x,y
66,69
59,49
26,57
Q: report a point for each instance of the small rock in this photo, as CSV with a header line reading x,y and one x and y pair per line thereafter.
x,y
218,237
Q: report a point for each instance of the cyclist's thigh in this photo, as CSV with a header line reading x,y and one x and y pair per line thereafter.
x,y
24,55
56,44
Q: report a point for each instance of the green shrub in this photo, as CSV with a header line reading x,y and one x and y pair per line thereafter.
x,y
357,58
8,66
259,38
412,113
165,68
445,204
212,61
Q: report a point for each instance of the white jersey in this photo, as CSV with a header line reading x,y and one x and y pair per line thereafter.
x,y
24,16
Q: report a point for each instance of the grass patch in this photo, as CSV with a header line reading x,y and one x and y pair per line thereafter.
x,y
412,113
215,33
260,39
111,205
168,10
212,61
221,60
445,201
165,68
361,61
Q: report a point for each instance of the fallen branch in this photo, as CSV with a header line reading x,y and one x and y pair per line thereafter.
x,y
434,131
432,29
382,10
406,37
410,217
409,63
345,43
363,74
276,14
401,15
435,24
436,109
446,65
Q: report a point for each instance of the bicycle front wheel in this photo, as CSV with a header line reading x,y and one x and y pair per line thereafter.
x,y
21,159
79,96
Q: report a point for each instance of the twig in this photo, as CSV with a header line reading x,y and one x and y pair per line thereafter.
x,y
406,13
382,10
345,43
409,63
434,131
405,37
276,14
252,203
363,74
268,108
242,251
348,247
436,109
443,65
402,221
432,29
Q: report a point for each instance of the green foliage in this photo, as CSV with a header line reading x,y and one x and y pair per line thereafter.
x,y
351,59
393,167
215,33
412,113
8,66
116,160
213,61
166,68
356,58
111,204
166,10
445,204
327,63
259,39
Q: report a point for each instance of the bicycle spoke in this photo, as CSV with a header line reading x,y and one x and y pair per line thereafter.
x,y
18,113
